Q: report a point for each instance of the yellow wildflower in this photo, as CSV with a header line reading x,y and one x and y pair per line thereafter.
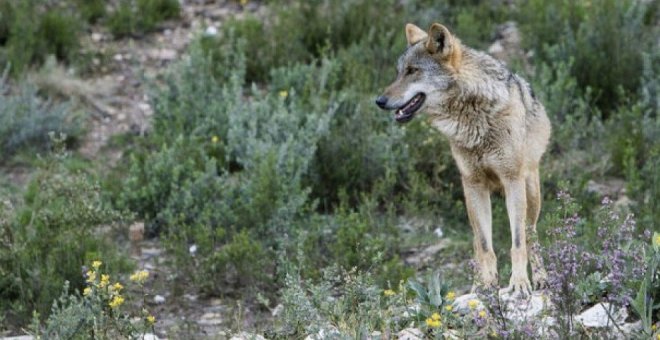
x,y
151,319
139,276
117,287
482,314
450,296
96,264
87,291
473,304
244,2
433,323
215,139
654,327
284,94
116,301
656,240
449,308
388,292
105,280
435,316
91,276
657,337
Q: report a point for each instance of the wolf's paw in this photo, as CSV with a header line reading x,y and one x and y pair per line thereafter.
x,y
519,286
540,279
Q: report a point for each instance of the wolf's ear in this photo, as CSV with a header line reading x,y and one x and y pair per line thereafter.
x,y
444,46
440,41
414,34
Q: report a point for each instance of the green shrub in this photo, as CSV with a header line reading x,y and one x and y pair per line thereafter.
x,y
133,17
26,120
47,239
59,31
33,31
91,10
101,310
231,181
605,39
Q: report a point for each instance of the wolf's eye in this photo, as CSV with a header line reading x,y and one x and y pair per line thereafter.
x,y
411,70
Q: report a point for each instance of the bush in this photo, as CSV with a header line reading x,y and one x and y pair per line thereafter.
x,y
47,239
233,174
100,311
589,32
91,10
33,31
133,17
26,120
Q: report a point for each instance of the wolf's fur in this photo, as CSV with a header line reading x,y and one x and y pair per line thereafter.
x,y
497,131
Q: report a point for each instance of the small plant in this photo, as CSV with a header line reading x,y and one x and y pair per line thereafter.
x,y
101,311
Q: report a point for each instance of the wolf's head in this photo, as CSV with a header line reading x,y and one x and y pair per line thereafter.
x,y
424,72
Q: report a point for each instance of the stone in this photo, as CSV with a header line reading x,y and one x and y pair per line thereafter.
x,y
329,332
211,31
158,299
427,254
410,334
277,310
610,187
164,54
520,310
96,37
247,336
630,328
461,304
136,232
149,336
210,319
597,316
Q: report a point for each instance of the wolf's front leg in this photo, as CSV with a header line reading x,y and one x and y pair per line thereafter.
x,y
477,202
516,206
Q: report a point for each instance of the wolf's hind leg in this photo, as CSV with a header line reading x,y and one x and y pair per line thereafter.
x,y
477,202
533,186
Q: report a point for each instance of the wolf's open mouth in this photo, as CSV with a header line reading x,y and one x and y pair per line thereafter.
x,y
407,111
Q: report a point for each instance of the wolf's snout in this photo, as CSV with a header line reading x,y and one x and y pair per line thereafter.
x,y
381,102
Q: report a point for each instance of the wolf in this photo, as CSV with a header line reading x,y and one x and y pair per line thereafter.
x,y
497,131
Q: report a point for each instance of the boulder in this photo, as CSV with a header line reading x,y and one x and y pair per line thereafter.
x,y
597,316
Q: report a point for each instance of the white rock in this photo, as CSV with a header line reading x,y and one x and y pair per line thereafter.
x,y
163,54
596,316
211,31
159,299
524,309
438,232
149,336
96,37
630,328
192,250
210,319
190,297
247,336
428,253
277,310
325,333
461,303
410,334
